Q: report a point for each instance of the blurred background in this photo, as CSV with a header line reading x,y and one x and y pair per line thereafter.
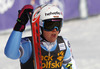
x,y
81,27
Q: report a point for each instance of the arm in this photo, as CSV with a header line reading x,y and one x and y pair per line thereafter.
x,y
18,48
26,49
13,45
68,61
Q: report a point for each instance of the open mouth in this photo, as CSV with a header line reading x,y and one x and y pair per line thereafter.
x,y
53,35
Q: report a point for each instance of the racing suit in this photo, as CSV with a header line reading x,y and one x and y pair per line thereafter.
x,y
55,55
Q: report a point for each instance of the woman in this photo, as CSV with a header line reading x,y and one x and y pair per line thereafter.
x,y
55,50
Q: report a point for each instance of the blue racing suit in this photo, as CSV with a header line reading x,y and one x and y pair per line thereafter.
x,y
18,47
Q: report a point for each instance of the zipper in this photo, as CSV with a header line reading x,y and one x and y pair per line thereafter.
x,y
49,53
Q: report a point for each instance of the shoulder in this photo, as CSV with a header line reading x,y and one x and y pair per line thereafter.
x,y
66,41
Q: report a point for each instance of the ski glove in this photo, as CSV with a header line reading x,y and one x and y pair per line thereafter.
x,y
23,17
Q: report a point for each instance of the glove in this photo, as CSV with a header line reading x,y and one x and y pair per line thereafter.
x,y
23,17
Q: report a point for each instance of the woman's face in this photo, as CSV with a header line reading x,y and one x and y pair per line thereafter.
x,y
50,36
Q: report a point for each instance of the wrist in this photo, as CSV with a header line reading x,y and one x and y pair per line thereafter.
x,y
19,27
21,21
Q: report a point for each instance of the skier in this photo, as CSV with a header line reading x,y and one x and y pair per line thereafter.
x,y
55,50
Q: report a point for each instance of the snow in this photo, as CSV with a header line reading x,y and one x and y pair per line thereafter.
x,y
84,36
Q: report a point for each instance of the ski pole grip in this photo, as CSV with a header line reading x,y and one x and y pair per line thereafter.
x,y
30,16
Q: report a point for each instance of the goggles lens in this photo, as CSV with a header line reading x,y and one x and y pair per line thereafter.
x,y
51,24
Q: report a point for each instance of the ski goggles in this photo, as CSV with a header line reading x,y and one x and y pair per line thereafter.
x,y
51,24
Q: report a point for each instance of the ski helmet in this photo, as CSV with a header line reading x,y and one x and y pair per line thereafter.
x,y
49,11
49,14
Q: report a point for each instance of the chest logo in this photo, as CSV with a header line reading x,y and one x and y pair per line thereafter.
x,y
60,55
